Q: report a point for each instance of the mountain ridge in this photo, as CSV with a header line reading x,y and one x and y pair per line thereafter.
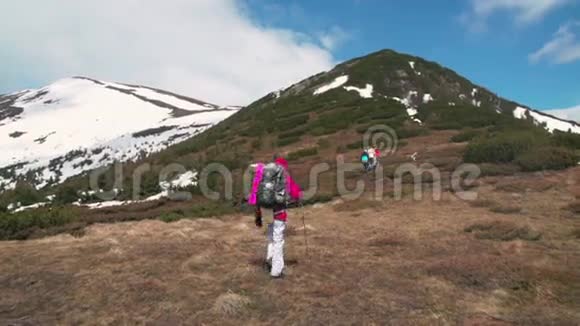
x,y
111,122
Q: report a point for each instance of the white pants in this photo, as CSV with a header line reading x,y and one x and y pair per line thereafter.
x,y
275,251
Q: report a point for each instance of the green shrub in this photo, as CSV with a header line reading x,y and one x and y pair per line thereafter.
x,y
331,122
287,141
566,139
171,217
23,193
65,195
465,136
20,226
302,153
318,198
150,184
238,142
209,209
292,122
501,148
364,119
355,145
363,129
293,133
410,132
491,169
441,116
547,158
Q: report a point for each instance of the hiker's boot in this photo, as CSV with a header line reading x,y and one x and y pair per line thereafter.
x,y
277,277
267,266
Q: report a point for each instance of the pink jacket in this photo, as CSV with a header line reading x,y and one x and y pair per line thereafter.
x,y
291,186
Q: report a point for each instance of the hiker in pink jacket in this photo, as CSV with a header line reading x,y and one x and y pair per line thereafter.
x,y
275,250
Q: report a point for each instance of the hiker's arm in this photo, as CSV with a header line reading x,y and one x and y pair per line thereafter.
x,y
295,191
258,215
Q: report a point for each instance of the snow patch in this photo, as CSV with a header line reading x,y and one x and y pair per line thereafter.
x,y
184,180
427,98
366,92
473,92
412,64
33,206
407,102
337,82
548,122
277,93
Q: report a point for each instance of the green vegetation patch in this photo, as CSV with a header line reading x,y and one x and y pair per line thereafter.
x,y
293,156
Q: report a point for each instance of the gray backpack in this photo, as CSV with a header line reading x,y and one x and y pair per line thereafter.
x,y
272,188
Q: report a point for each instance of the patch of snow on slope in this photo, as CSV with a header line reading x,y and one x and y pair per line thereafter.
x,y
337,82
550,123
407,102
412,64
473,92
520,113
184,180
366,92
427,98
33,206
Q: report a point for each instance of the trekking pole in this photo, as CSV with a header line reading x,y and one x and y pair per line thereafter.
x,y
305,235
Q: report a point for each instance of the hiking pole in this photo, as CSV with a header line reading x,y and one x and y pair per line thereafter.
x,y
305,235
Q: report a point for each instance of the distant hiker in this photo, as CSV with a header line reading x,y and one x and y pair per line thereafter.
x,y
364,159
370,158
273,188
373,153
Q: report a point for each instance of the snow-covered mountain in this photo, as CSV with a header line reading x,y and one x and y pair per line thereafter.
x,y
548,121
79,124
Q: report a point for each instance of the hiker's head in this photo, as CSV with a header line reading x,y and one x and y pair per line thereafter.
x,y
281,161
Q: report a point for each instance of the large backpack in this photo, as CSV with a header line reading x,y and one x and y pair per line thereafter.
x,y
272,188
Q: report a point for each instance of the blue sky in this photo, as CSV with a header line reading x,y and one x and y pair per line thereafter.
x,y
235,51
492,51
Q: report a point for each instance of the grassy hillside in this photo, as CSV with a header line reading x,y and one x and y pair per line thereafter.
x,y
462,123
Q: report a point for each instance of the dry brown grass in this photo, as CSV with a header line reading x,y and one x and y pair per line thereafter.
x,y
573,207
482,203
357,205
231,304
520,185
505,209
503,231
401,263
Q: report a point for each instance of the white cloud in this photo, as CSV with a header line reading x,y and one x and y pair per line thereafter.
x,y
564,47
524,11
210,49
333,37
572,113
